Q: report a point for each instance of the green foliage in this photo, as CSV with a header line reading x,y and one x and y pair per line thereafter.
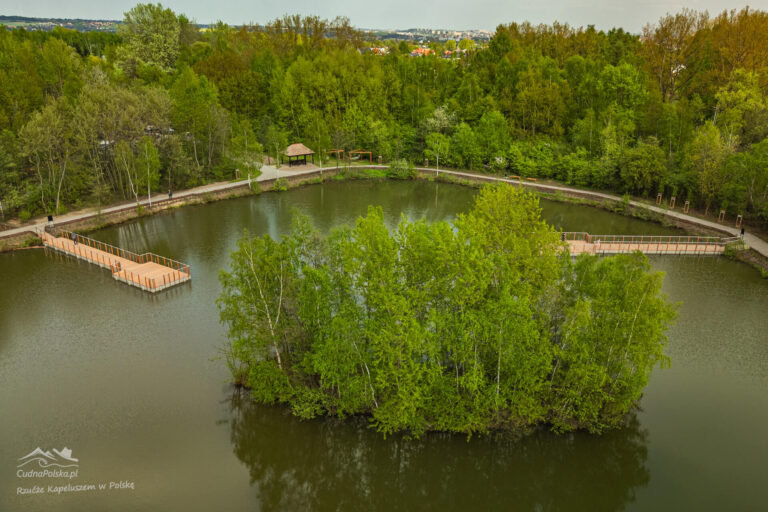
x,y
375,173
47,141
610,340
280,185
401,170
151,35
245,147
478,325
643,168
147,164
32,242
681,109
195,110
492,136
734,248
466,44
743,108
623,205
465,150
576,168
707,153
437,145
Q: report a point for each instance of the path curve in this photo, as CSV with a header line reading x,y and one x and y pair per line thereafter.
x,y
758,244
269,173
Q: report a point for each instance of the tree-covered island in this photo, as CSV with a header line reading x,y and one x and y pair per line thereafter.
x,y
481,324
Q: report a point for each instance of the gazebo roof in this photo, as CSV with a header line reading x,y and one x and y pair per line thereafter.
x,y
298,149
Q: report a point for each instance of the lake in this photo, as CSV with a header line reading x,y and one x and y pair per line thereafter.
x,y
132,384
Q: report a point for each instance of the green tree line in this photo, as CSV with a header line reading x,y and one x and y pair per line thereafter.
x,y
481,324
679,109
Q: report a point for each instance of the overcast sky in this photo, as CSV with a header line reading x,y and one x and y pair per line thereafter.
x,y
451,14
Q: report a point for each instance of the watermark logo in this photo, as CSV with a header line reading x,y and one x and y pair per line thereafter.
x,y
59,464
51,458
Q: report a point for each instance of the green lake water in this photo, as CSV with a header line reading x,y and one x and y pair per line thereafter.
x,y
131,383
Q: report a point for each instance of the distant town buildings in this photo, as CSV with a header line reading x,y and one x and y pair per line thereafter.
x,y
48,24
422,51
416,35
423,35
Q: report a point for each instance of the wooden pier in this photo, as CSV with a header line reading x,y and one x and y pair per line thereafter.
x,y
147,271
580,242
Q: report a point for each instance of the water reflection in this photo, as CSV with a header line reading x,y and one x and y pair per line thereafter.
x,y
103,278
88,361
343,465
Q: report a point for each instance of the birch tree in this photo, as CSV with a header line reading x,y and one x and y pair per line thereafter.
x,y
480,325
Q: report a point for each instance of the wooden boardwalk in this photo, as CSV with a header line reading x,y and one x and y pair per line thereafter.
x,y
147,271
580,243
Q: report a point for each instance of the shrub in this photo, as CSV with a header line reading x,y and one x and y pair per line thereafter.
x,y
281,185
623,205
733,248
401,170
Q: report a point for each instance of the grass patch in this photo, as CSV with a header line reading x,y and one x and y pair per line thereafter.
x,y
360,174
738,251
733,249
32,242
280,185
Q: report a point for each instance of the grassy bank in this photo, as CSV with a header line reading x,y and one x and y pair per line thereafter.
x,y
576,197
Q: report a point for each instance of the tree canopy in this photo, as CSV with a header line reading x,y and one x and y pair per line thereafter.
x,y
151,35
604,109
478,325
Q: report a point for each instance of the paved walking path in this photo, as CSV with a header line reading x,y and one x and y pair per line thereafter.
x,y
758,244
269,172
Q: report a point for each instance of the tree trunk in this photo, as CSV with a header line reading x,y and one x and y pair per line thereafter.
x,y
498,375
149,180
61,180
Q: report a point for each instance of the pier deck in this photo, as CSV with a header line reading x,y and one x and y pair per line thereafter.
x,y
148,271
579,242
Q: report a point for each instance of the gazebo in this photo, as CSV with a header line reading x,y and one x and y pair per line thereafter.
x,y
297,154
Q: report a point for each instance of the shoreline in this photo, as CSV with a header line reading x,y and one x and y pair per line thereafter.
x,y
24,237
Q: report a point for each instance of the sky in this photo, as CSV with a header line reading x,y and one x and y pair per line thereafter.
x,y
631,15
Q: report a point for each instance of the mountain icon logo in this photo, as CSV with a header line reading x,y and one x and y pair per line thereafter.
x,y
46,459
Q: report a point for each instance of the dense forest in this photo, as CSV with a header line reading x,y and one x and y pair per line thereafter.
x,y
90,118
484,323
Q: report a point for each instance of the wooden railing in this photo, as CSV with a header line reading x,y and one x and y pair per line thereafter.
x,y
581,242
128,255
580,236
165,280
125,266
